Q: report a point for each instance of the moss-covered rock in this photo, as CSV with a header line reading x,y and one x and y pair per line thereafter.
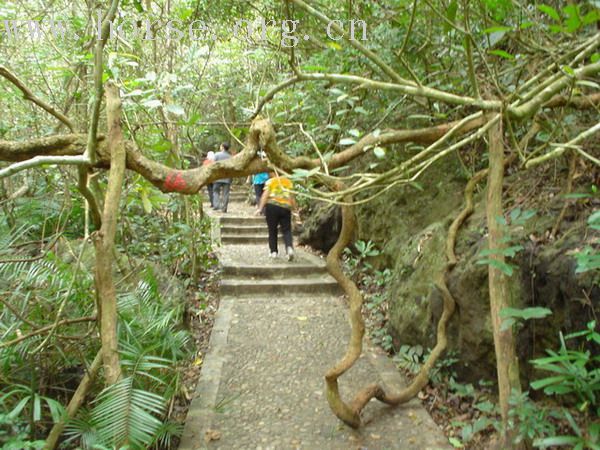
x,y
410,226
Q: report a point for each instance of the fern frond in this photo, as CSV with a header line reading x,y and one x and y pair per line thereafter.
x,y
123,413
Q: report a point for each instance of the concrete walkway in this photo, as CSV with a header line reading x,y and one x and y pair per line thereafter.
x,y
279,327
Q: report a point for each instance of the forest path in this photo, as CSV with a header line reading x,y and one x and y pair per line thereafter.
x,y
280,326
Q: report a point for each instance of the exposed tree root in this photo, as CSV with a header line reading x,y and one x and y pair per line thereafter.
x,y
568,190
349,413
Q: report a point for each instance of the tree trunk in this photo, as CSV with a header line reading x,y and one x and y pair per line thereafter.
x,y
504,340
105,238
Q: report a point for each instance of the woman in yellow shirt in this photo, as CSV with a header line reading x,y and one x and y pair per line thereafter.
x,y
278,202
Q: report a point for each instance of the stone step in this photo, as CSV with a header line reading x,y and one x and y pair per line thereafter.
x,y
244,230
273,271
242,239
324,285
239,196
241,220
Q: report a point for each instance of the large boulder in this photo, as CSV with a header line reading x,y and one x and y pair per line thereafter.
x,y
322,227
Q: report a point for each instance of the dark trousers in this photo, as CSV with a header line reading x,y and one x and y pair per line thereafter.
x,y
210,188
258,191
278,216
221,195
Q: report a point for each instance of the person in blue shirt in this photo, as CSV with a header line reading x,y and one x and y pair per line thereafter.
x,y
258,181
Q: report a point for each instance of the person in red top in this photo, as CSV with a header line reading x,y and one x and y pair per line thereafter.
x,y
278,202
210,158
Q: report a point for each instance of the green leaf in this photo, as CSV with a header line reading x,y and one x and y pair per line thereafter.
x,y
455,442
334,126
347,141
555,440
550,11
501,220
451,15
361,110
594,220
507,269
313,68
502,54
379,152
568,70
146,203
162,146
577,195
37,408
123,413
573,22
175,109
497,29
154,103
485,406
591,17
595,57
544,382
56,409
588,83
303,173
354,132
536,312
336,91
417,186
507,324
514,214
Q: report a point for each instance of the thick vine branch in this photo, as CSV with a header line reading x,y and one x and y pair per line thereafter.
x,y
104,240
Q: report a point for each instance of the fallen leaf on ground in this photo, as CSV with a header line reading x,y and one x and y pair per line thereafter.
x,y
212,435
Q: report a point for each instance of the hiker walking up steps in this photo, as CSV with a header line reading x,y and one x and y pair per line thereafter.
x,y
210,158
221,187
278,202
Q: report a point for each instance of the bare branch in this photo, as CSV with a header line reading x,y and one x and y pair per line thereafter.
x,y
531,107
28,95
419,91
46,329
98,88
40,161
269,96
564,147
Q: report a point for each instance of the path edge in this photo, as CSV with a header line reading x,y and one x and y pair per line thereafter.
x,y
202,407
